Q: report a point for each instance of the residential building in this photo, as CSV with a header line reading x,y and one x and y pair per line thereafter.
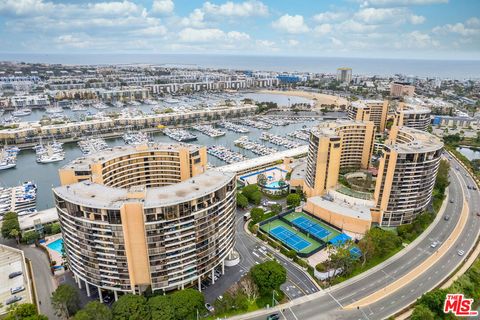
x,y
412,116
400,89
344,75
146,217
370,110
406,176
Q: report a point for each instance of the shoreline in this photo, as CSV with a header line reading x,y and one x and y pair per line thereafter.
x,y
319,98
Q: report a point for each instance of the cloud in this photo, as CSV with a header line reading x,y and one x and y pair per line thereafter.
x,y
387,15
194,19
387,3
352,26
329,16
163,6
152,31
293,42
72,41
416,40
291,24
231,9
458,28
25,7
473,22
323,29
124,8
206,35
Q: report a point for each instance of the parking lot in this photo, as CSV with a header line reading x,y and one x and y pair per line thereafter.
x,y
12,262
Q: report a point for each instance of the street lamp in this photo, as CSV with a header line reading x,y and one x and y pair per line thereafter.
x,y
273,297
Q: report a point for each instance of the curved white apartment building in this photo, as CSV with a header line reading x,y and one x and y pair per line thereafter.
x,y
145,216
412,116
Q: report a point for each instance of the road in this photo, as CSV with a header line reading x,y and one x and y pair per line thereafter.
x,y
329,305
251,252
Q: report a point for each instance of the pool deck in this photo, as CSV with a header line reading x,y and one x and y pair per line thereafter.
x,y
54,255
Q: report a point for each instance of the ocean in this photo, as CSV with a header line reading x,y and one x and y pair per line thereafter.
x,y
451,69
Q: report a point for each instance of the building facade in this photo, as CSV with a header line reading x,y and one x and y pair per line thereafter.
x,y
344,75
412,116
370,110
335,146
145,216
406,176
401,89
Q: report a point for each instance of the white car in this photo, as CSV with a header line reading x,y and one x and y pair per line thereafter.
x,y
461,252
434,244
209,307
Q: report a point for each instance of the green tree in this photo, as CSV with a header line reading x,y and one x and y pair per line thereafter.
x,y
131,307
94,310
65,301
293,200
268,276
257,214
261,179
186,303
10,222
276,208
256,198
30,236
441,181
161,308
242,201
434,301
24,311
56,228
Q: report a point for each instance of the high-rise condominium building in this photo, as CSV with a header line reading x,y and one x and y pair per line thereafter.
x,y
145,216
401,89
334,146
406,176
370,110
344,75
412,116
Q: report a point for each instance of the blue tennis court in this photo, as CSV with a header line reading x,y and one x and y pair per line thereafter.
x,y
311,227
289,238
340,240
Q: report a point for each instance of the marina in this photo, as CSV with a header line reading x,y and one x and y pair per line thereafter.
x,y
136,138
92,145
225,154
20,199
279,140
209,130
257,124
233,127
179,135
301,134
8,158
257,148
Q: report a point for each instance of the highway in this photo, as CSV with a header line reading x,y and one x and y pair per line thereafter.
x,y
330,303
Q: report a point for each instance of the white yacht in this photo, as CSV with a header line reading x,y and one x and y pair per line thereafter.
x,y
22,112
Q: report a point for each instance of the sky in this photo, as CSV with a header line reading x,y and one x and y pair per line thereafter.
x,y
410,29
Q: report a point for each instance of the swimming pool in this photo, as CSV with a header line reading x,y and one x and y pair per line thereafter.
x,y
275,185
56,245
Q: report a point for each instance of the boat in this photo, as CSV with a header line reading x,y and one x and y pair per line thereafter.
x,y
53,110
48,158
180,135
22,112
7,165
78,107
118,104
100,106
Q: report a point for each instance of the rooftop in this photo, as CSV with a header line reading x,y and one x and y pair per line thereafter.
x,y
343,208
84,163
327,128
100,196
421,142
45,216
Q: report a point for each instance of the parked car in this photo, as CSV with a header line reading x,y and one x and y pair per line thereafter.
x,y
446,218
15,274
107,299
478,214
274,316
209,307
461,252
451,201
17,289
13,300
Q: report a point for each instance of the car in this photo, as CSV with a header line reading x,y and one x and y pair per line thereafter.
x,y
13,300
478,214
15,274
107,299
469,188
274,316
17,289
461,252
446,218
209,307
451,201
474,188
434,244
